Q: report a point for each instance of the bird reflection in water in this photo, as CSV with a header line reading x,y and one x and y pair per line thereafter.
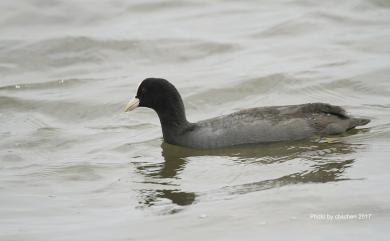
x,y
328,158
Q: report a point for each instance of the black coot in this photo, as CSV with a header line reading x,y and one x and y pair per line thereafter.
x,y
249,126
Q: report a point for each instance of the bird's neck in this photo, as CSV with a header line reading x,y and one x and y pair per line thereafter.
x,y
173,122
172,118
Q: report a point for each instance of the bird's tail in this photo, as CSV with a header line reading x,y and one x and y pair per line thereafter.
x,y
358,122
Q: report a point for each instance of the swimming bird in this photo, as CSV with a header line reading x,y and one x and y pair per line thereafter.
x,y
248,126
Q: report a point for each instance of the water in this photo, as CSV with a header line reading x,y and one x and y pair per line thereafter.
x,y
74,166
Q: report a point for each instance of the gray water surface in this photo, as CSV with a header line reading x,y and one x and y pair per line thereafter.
x,y
75,166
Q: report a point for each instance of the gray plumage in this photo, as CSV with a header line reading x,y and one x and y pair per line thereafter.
x,y
249,126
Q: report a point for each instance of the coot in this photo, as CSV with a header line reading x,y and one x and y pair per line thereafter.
x,y
248,126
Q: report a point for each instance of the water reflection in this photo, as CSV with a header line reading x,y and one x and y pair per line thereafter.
x,y
321,173
329,161
177,197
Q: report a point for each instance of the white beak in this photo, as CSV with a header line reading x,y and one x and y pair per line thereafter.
x,y
132,104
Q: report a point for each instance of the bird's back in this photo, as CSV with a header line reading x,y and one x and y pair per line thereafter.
x,y
269,124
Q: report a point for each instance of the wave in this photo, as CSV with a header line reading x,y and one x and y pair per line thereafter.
x,y
84,51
